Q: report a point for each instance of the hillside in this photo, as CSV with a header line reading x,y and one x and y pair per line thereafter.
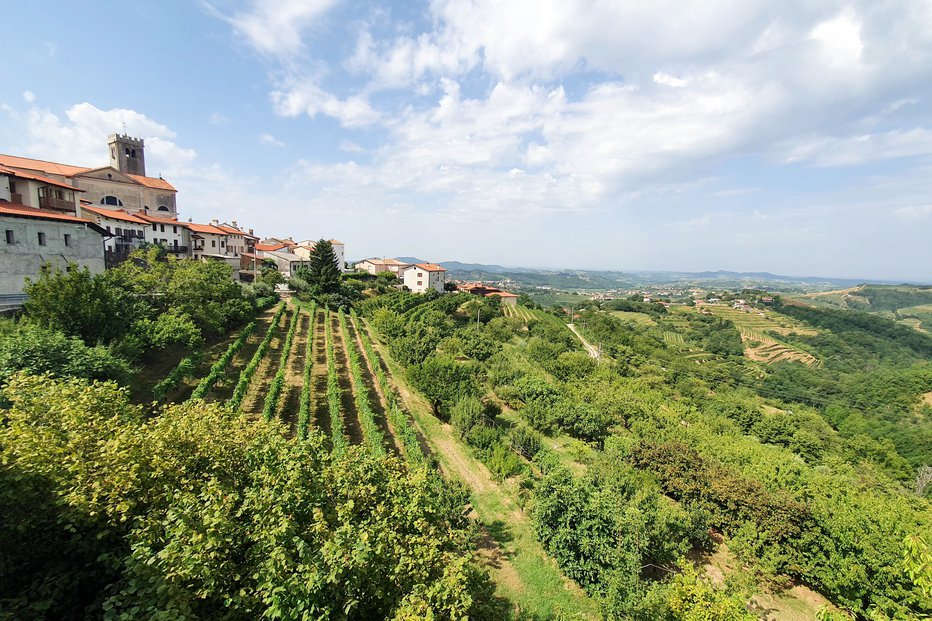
x,y
910,305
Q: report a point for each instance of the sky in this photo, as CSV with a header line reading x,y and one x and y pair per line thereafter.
x,y
793,137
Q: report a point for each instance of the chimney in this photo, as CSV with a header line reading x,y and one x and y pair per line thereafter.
x,y
251,233
215,222
235,226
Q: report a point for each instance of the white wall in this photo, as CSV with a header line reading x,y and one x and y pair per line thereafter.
x,y
427,280
25,256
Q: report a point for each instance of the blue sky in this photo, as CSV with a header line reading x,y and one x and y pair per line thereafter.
x,y
792,137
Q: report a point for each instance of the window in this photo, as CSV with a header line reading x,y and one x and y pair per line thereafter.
x,y
163,208
9,237
108,229
67,239
13,187
162,228
111,200
140,233
419,283
175,229
41,238
420,274
119,232
213,243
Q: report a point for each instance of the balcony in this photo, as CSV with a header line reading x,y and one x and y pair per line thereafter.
x,y
57,204
177,249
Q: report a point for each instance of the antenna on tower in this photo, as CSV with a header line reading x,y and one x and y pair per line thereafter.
x,y
124,127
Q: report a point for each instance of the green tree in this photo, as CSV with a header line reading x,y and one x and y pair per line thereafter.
x,y
198,513
323,275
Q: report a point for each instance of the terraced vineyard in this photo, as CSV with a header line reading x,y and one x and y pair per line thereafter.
x,y
310,368
315,369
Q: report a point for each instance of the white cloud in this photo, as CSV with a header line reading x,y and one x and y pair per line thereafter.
x,y
29,97
841,39
217,118
274,27
914,212
831,151
297,96
349,146
269,139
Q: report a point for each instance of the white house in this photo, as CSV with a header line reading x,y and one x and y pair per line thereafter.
x,y
168,232
207,240
423,276
305,247
286,262
128,231
32,237
377,266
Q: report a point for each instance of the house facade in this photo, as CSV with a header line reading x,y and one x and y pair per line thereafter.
x,y
207,241
128,232
304,249
287,262
32,237
377,266
423,276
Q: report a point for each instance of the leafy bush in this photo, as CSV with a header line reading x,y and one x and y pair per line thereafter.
x,y
199,513
28,347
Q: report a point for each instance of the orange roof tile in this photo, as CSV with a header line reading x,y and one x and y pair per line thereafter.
x,y
430,267
205,228
16,209
48,180
115,214
501,294
49,168
156,183
150,217
269,247
66,170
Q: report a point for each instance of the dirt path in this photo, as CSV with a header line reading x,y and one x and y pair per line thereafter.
x,y
223,389
258,387
294,375
347,403
396,389
379,404
520,567
593,351
320,412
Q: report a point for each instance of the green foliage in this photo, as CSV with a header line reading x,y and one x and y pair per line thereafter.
x,y
218,369
443,381
370,430
338,435
176,376
304,406
28,347
323,273
403,428
246,375
80,304
199,513
272,397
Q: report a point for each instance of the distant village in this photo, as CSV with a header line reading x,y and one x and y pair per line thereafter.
x,y
95,217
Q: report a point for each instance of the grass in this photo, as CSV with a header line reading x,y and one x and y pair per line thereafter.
x,y
640,319
522,571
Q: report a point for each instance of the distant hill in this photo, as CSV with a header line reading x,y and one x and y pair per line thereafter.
x,y
906,304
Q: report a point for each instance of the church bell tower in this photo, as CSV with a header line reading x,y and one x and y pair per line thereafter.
x,y
127,154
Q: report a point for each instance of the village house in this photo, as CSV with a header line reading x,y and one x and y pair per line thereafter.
x,y
423,276
488,291
287,262
304,249
121,184
128,232
377,266
207,241
33,237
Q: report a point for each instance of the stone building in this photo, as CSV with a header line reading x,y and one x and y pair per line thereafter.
x,y
32,237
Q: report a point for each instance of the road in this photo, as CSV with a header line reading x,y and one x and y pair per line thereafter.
x,y
593,351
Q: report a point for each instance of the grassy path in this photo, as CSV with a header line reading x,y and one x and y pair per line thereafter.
x,y
253,402
347,403
294,374
522,571
320,414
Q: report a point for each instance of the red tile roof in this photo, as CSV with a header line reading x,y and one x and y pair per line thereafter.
x,y
50,168
115,214
501,294
205,228
269,247
22,211
156,183
150,217
66,170
24,175
430,267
